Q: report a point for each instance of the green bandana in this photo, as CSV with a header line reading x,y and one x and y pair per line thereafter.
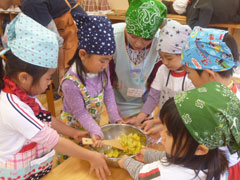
x,y
144,17
211,114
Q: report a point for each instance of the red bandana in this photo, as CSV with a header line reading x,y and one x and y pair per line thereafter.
x,y
12,88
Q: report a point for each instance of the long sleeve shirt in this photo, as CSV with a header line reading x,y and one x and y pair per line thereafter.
x,y
74,104
157,168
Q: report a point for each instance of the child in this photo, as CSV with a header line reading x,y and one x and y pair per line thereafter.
x,y
194,126
26,136
87,84
171,77
212,55
136,56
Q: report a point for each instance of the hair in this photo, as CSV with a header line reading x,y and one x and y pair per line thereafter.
x,y
232,45
184,146
81,71
14,65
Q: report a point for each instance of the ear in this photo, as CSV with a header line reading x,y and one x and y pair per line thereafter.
x,y
210,74
82,54
24,78
201,150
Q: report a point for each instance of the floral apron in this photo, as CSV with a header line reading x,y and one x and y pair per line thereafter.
x,y
94,105
32,162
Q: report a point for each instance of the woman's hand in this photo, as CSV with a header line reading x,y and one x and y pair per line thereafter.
x,y
97,142
134,121
121,161
99,165
79,134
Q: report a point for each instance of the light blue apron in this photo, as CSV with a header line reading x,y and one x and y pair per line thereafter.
x,y
128,105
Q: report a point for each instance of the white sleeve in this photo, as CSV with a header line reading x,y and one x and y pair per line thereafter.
x,y
180,6
21,119
159,79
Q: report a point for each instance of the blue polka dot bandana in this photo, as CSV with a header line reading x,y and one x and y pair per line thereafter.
x,y
95,34
205,49
173,37
31,42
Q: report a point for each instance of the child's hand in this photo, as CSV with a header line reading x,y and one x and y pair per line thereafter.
x,y
97,142
147,125
154,132
98,164
79,134
121,122
140,156
121,161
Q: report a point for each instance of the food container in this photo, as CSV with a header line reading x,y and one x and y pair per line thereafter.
x,y
113,131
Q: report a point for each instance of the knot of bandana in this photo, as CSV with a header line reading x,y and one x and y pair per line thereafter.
x,y
12,88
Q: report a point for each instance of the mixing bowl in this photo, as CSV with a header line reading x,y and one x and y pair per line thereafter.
x,y
113,131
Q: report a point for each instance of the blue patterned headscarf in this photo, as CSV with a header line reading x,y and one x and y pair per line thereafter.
x,y
205,49
31,42
95,34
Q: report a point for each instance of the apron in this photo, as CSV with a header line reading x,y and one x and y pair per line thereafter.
x,y
167,92
130,77
68,31
94,105
32,162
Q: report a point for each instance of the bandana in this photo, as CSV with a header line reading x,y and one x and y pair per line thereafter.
x,y
144,17
205,49
31,42
12,88
173,37
211,114
95,34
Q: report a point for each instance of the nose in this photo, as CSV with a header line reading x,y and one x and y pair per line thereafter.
x,y
139,44
49,82
105,65
164,61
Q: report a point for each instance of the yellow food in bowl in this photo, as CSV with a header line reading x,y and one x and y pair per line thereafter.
x,y
131,144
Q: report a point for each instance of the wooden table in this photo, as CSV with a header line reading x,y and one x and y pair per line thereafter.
x,y
75,169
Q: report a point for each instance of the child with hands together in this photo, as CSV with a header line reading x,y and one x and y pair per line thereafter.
x,y
86,85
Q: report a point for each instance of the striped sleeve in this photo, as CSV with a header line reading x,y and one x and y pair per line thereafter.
x,y
21,118
150,171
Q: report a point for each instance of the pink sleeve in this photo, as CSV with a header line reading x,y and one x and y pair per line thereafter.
x,y
48,137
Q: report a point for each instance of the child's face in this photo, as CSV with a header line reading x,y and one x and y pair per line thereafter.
x,y
172,61
96,63
167,139
136,42
42,85
197,80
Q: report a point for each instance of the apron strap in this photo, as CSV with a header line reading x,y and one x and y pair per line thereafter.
x,y
69,5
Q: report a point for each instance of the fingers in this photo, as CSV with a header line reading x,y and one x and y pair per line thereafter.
x,y
105,167
102,174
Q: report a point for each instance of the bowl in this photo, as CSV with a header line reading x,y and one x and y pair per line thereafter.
x,y
113,131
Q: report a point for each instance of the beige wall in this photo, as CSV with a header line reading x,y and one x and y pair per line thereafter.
x,y
118,4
